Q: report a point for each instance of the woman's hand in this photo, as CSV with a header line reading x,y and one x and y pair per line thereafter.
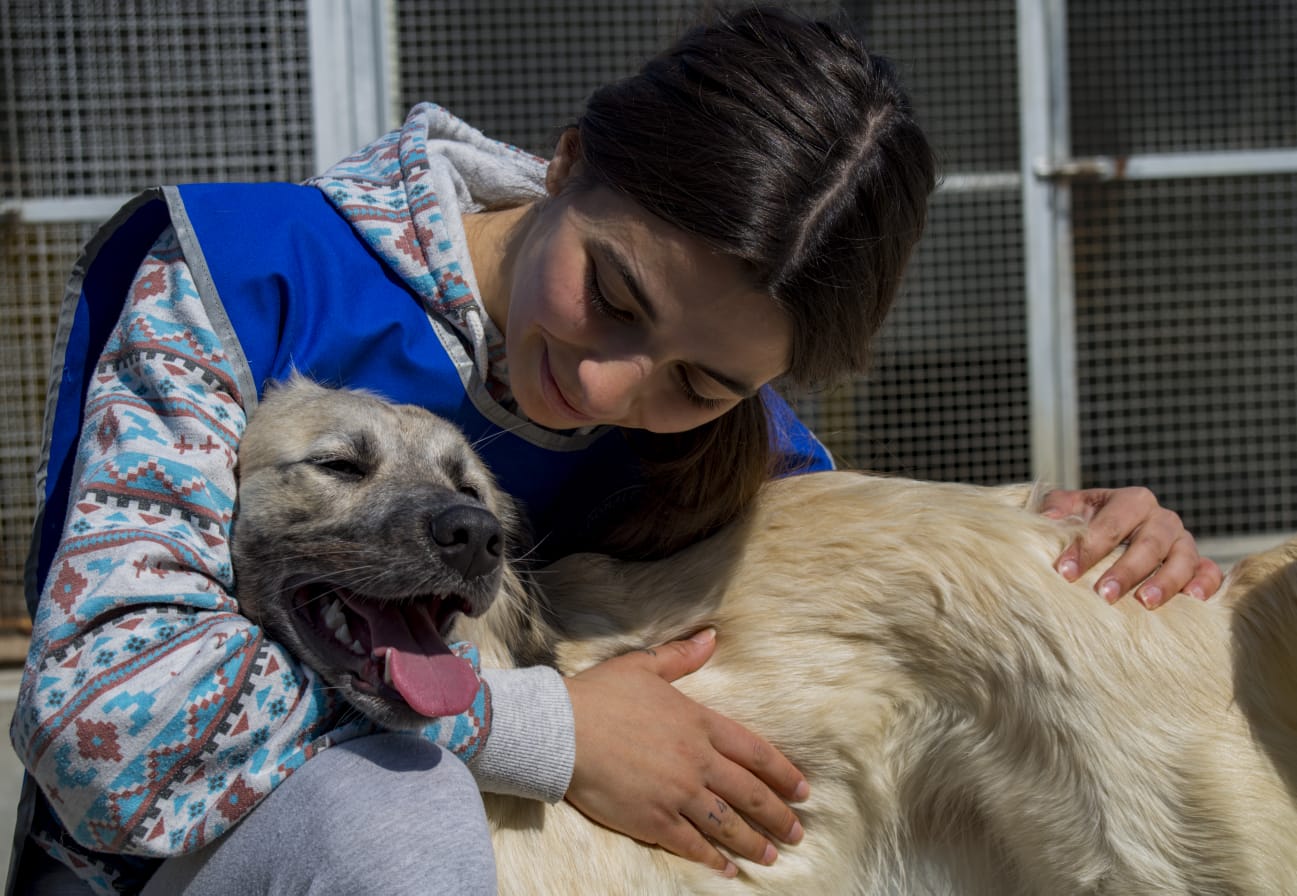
x,y
1160,552
660,768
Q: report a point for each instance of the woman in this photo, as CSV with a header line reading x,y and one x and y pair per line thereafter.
x,y
605,326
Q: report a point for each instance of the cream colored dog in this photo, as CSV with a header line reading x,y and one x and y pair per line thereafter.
x,y
968,721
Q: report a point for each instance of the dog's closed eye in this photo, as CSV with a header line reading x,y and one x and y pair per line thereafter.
x,y
342,467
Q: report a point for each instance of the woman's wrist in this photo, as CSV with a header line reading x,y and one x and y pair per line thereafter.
x,y
532,745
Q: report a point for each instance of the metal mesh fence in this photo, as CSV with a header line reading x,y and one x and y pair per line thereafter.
x,y
948,396
106,98
1182,75
1187,345
1186,332
1187,289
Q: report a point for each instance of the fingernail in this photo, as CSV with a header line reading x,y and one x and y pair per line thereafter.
x,y
768,857
1069,570
731,870
1195,591
1054,513
1110,590
1151,596
706,636
795,833
801,792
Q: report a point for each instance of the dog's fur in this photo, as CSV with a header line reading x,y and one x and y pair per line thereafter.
x,y
968,721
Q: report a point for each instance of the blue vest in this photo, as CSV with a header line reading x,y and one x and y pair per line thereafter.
x,y
302,292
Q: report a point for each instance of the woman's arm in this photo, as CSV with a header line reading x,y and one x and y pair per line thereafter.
x,y
152,714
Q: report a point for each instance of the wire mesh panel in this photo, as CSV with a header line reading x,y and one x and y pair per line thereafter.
x,y
949,394
106,98
1182,75
958,59
1187,346
1187,289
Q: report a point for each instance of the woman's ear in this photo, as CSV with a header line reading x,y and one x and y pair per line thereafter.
x,y
566,163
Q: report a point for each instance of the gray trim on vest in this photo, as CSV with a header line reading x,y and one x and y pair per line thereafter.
x,y
211,298
452,342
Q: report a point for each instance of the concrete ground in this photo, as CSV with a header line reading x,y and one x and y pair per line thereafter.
x,y
11,770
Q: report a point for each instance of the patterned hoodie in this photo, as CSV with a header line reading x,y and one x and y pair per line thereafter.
x,y
152,714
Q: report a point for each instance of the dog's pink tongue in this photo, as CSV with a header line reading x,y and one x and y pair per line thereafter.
x,y
434,681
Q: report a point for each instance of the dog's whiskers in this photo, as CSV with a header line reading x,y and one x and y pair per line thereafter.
x,y
487,440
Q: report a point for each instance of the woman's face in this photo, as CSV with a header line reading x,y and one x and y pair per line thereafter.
x,y
616,317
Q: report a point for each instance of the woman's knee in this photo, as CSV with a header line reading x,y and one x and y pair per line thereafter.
x,y
392,794
388,813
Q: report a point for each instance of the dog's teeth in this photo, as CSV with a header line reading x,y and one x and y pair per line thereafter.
x,y
333,614
387,669
357,649
342,633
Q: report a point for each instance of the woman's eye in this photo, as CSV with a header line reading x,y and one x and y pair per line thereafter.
x,y
694,397
597,300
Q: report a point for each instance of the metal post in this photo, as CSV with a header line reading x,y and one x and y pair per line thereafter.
x,y
1045,137
353,75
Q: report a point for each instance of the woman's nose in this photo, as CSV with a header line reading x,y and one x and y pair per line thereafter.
x,y
613,386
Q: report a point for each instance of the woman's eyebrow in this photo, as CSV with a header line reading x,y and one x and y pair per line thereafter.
x,y
640,297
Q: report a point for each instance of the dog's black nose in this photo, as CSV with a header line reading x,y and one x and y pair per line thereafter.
x,y
468,539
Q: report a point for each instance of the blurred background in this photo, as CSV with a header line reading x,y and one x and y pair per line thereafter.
x,y
1107,293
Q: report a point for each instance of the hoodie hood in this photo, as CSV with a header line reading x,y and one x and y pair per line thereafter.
x,y
405,195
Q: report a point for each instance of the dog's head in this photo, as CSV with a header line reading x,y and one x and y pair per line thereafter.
x,y
363,530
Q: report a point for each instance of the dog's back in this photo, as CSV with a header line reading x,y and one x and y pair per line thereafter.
x,y
969,721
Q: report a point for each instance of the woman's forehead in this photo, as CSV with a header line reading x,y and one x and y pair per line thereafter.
x,y
650,245
705,301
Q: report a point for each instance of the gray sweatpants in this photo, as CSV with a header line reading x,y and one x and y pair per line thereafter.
x,y
387,814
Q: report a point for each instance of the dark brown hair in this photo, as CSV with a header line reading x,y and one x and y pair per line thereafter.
x,y
785,144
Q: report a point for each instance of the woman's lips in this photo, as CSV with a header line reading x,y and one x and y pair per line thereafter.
x,y
554,393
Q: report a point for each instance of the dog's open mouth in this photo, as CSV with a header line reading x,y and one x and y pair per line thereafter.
x,y
393,649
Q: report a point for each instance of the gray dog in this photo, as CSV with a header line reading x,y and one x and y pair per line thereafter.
x,y
358,546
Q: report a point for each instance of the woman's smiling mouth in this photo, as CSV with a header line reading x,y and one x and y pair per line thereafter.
x,y
554,395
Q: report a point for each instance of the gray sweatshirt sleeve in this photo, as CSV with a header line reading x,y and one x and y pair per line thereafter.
x,y
532,746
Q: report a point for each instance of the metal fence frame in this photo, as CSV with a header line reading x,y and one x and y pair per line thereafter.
x,y
353,49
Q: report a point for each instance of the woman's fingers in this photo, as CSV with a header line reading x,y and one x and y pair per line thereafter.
x,y
1182,569
1207,579
721,823
685,839
759,780
662,768
1112,516
1160,552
